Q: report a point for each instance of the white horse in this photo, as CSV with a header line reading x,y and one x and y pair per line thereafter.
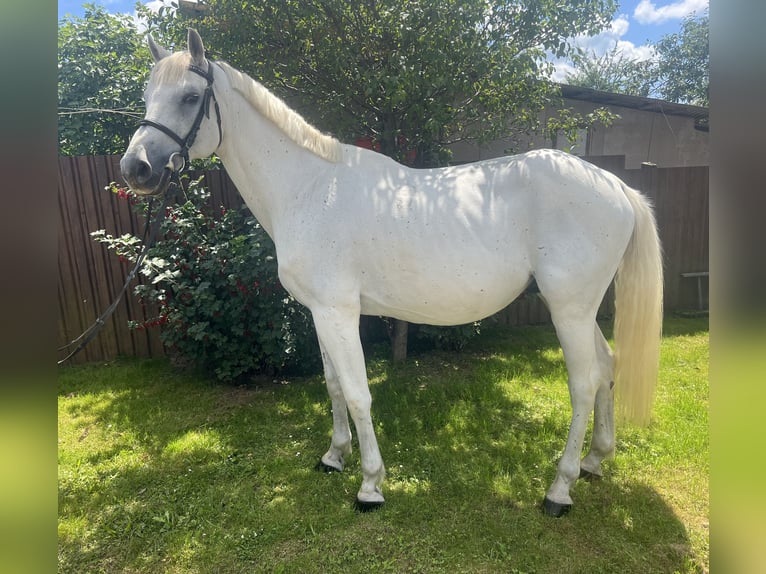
x,y
357,233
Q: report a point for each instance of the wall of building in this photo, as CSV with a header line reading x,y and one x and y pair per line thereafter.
x,y
641,136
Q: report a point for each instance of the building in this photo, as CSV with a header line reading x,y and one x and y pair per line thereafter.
x,y
648,131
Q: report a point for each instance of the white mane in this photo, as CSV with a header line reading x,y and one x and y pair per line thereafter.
x,y
286,119
171,69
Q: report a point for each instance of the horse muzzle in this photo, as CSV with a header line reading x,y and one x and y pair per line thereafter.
x,y
138,173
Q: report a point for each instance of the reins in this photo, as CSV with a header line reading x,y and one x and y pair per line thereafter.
x,y
169,179
151,229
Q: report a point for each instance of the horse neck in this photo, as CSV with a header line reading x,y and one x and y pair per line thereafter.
x,y
270,170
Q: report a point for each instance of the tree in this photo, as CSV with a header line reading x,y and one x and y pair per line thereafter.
x,y
103,65
684,63
409,77
614,72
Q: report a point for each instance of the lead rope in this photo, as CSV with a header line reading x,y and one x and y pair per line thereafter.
x,y
151,229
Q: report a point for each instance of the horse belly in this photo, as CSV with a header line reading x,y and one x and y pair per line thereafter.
x,y
440,291
446,258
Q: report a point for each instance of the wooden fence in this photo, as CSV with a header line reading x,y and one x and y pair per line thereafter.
x,y
90,277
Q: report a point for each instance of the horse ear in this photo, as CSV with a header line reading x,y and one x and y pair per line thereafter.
x,y
158,52
196,48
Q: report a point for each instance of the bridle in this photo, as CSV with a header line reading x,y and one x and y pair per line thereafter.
x,y
170,175
187,142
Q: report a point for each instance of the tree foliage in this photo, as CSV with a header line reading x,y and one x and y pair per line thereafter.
x,y
103,65
408,75
684,63
614,71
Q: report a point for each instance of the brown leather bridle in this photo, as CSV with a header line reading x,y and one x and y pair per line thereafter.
x,y
187,142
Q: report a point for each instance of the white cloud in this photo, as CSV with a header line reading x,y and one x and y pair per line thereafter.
x,y
602,43
640,53
619,26
648,13
154,6
562,68
605,41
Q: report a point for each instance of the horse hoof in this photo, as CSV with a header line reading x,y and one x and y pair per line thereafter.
x,y
588,475
555,509
326,468
363,506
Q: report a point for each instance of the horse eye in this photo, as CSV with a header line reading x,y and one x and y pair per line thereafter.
x,y
190,98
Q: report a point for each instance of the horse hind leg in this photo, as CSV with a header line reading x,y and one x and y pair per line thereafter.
x,y
602,442
576,336
340,444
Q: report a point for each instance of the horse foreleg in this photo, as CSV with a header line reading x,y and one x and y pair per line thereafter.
x,y
340,445
577,341
338,334
602,443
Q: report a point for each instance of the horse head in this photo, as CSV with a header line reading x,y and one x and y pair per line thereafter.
x,y
178,125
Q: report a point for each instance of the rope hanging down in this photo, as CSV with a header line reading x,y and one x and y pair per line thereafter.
x,y
151,229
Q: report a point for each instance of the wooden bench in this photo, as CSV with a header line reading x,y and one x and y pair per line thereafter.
x,y
698,275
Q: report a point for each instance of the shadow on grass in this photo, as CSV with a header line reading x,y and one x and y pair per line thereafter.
x,y
196,476
481,456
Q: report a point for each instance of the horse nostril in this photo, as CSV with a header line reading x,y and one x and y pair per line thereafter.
x,y
143,171
135,169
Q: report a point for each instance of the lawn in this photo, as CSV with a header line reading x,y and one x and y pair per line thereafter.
x,y
161,471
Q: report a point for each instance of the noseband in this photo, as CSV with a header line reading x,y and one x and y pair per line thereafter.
x,y
204,112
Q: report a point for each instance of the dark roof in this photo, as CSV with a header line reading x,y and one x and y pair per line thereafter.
x,y
699,113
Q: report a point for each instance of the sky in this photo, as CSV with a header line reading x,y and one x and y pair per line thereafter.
x,y
636,24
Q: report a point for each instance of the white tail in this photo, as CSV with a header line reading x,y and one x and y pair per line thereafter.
x,y
638,315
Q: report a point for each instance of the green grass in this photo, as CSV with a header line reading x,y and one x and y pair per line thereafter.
x,y
168,472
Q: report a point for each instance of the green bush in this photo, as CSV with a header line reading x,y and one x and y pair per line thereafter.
x,y
214,283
